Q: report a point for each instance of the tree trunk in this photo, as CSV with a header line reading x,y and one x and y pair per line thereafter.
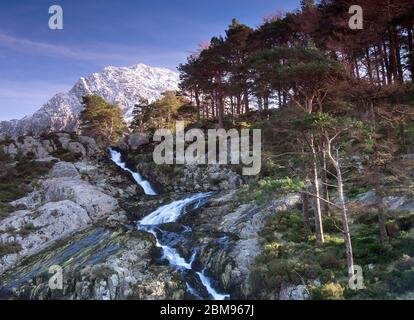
x,y
238,102
392,54
369,67
197,99
410,52
260,103
246,101
381,224
387,63
345,225
318,214
325,186
220,111
305,210
344,213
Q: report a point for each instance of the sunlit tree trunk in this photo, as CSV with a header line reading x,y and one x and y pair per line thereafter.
x,y
318,214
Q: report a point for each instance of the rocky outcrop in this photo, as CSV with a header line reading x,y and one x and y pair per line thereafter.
x,y
397,202
36,229
227,230
53,146
98,264
71,197
133,141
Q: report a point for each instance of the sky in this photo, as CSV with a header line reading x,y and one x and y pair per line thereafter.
x,y
37,62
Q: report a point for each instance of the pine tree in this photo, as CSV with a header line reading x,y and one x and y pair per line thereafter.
x,y
140,115
101,120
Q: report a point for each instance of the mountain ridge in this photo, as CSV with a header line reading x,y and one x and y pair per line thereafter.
x,y
121,85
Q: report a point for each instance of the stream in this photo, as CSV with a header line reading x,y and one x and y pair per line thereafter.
x,y
198,283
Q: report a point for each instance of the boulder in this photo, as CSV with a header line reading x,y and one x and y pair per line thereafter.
x,y
135,140
90,144
64,170
299,292
77,149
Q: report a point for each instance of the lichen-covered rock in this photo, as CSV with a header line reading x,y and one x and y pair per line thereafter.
x,y
36,229
80,147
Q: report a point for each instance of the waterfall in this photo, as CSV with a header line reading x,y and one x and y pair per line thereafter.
x,y
146,185
170,213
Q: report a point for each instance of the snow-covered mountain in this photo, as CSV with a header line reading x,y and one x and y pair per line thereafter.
x,y
124,86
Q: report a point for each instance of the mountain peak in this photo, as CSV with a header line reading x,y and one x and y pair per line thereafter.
x,y
122,85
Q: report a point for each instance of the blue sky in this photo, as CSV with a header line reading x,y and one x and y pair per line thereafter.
x,y
36,62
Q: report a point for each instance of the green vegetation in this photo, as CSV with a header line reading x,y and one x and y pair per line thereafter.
x,y
26,229
270,188
9,248
17,178
101,120
291,258
162,113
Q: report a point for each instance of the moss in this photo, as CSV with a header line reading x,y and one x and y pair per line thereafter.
x,y
11,247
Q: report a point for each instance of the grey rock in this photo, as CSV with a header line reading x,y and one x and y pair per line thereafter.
x,y
48,223
64,170
299,292
136,140
77,149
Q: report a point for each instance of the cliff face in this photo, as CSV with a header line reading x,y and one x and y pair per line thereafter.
x,y
125,86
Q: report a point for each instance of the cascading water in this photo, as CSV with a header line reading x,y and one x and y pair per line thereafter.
x,y
170,213
116,157
166,214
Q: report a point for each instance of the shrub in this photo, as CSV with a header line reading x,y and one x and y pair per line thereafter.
x,y
329,260
27,229
11,247
329,291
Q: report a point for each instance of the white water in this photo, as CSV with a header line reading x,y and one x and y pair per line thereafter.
x,y
116,158
206,282
170,213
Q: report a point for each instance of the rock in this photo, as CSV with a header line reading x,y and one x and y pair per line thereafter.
x,y
65,183
109,266
92,148
399,202
34,230
64,170
299,292
408,157
77,149
96,203
136,140
368,198
10,149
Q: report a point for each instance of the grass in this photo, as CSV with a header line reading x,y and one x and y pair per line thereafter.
x,y
289,257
